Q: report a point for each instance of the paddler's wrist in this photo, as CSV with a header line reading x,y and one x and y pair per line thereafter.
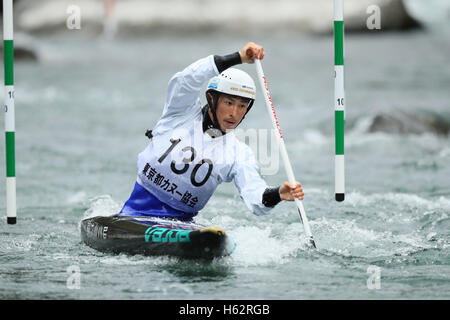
x,y
227,61
271,197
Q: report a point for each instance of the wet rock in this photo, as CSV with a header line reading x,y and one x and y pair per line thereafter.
x,y
22,54
408,123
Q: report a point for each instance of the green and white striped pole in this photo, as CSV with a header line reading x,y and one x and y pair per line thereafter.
x,y
339,98
8,55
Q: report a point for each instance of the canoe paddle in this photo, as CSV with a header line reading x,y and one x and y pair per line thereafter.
x,y
284,154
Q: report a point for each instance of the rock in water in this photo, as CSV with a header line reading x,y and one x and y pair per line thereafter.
x,y
408,123
21,54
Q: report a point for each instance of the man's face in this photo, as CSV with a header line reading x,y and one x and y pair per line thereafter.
x,y
230,111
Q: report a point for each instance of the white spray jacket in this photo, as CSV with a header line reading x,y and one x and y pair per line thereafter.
x,y
182,165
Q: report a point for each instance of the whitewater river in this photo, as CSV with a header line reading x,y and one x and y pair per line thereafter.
x,y
81,115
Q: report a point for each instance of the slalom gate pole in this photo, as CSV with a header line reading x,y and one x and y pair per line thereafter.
x,y
287,164
8,54
339,100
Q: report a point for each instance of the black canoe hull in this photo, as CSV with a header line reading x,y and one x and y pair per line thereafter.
x,y
154,237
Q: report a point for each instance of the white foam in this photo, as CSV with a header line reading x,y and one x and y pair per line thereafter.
x,y
362,125
258,246
123,259
314,137
17,244
356,139
445,153
400,199
78,197
346,238
102,206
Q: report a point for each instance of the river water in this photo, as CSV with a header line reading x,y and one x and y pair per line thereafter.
x,y
81,114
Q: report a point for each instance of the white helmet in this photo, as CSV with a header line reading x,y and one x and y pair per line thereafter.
x,y
234,82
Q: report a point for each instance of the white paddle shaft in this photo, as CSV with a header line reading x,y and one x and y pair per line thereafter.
x,y
284,154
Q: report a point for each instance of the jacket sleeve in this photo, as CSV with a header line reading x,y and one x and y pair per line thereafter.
x,y
184,87
250,184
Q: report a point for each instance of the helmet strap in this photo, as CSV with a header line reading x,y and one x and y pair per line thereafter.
x,y
212,105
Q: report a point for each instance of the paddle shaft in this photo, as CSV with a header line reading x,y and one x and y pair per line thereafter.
x,y
284,154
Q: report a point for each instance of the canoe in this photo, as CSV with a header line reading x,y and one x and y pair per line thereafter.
x,y
152,236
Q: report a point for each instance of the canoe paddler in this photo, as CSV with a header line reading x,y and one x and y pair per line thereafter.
x,y
193,148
